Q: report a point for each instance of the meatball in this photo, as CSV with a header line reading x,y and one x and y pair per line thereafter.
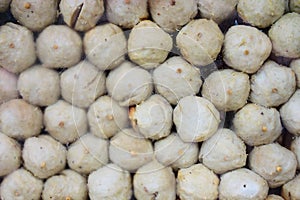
x,y
295,147
246,48
39,85
105,46
285,36
172,15
148,44
58,46
227,89
17,48
4,5
257,125
154,181
43,156
278,165
272,85
81,15
197,182
295,65
82,84
65,122
200,41
196,119
290,190
34,14
176,78
126,13
8,86
20,120
87,154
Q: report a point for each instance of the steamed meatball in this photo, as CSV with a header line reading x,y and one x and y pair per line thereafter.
x,y
8,86
295,147
290,190
295,65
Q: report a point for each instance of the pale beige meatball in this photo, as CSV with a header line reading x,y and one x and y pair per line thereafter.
x,y
82,84
110,182
227,89
126,13
246,48
242,184
65,122
197,182
8,86
172,151
224,151
34,14
290,190
276,164
154,181
43,156
87,154
20,120
200,41
257,125
274,197
196,119
217,10
285,36
261,13
4,5
39,86
148,44
81,15
21,185
17,48
67,185
105,46
129,150
129,84
295,6
10,155
176,78
272,85
58,46
295,65
295,147
172,15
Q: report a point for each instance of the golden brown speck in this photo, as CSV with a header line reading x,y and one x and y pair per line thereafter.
x,y
274,90
179,71
17,193
110,117
55,46
43,165
246,52
264,129
68,198
229,92
11,45
27,5
278,168
61,124
127,1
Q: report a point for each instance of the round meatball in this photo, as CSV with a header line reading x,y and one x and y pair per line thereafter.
x,y
172,15
176,78
224,151
39,85
285,36
81,15
110,182
290,190
4,5
290,113
17,48
129,84
257,125
227,89
261,13
196,119
10,155
200,41
43,156
21,184
295,65
130,150
126,13
87,154
58,46
242,184
172,151
153,117
105,46
274,197
295,147
8,86
67,185
295,6
65,122
278,165
154,181
20,120
82,84
34,14
197,182
246,48
272,85
148,44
